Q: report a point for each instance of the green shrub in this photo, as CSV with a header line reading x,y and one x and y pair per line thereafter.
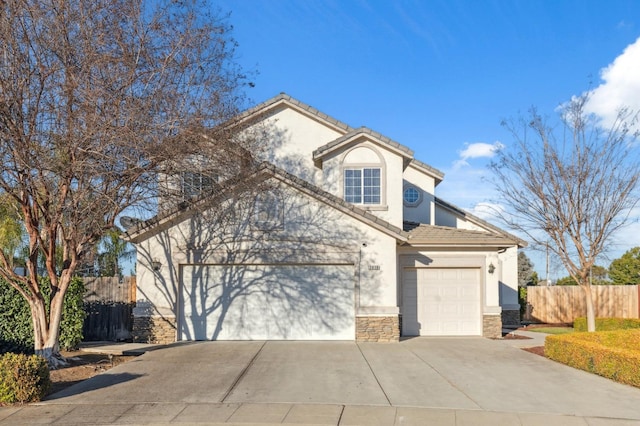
x,y
73,315
23,378
611,354
607,324
16,328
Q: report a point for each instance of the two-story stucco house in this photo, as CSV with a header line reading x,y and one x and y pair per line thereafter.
x,y
345,240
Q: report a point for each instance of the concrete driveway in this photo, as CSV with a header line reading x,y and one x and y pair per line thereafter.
x,y
447,373
444,381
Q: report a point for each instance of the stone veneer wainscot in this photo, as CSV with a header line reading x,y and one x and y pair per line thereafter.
x,y
155,329
378,328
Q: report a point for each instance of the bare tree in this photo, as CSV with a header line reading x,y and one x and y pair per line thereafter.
x,y
572,186
95,97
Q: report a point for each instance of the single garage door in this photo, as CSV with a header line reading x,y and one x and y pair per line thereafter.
x,y
267,302
441,302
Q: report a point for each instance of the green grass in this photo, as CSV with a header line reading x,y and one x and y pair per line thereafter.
x,y
552,330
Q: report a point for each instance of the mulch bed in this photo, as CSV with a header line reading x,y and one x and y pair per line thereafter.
x,y
511,336
538,350
82,366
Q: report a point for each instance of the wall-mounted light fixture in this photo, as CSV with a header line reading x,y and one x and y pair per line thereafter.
x,y
491,268
156,265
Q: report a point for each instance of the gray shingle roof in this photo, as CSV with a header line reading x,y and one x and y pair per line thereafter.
x,y
422,234
477,220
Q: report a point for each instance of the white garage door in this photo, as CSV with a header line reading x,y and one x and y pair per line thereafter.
x,y
267,302
441,302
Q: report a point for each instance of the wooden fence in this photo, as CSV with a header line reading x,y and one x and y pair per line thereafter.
x,y
110,289
109,303
563,304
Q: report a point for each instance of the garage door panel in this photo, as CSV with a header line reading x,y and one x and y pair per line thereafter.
x,y
447,302
267,302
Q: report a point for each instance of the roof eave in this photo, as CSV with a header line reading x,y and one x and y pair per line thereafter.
x,y
284,99
364,132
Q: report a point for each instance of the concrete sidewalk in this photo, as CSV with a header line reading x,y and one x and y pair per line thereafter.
x,y
276,414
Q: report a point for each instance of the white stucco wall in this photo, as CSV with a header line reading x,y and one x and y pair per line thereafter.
x,y
312,232
292,136
425,211
368,154
446,217
509,279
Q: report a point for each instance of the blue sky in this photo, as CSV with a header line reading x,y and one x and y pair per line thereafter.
x,y
439,76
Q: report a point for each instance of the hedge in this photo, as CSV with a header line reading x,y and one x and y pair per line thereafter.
x,y
611,354
607,324
23,378
16,328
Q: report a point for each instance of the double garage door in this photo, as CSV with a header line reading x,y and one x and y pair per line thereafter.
x,y
441,302
267,302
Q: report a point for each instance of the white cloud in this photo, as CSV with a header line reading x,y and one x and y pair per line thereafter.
x,y
620,87
488,211
476,150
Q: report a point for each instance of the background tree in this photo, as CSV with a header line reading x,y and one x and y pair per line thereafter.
x,y
626,269
568,280
11,231
572,185
598,276
95,98
113,250
525,271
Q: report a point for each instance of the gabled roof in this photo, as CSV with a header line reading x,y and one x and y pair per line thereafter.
x,y
266,107
263,109
480,222
144,230
379,139
443,236
350,137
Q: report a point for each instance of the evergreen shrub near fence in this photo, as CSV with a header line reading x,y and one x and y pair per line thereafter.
x,y
607,324
16,327
611,354
23,378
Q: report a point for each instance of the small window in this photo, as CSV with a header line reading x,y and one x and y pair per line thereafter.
x,y
193,184
411,196
362,186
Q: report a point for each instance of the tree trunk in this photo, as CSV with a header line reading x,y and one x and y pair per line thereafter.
x,y
591,317
46,329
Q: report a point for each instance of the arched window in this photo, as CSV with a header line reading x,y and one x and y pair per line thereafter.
x,y
363,177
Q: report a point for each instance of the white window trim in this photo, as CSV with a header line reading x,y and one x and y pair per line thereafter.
x,y
383,177
362,185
